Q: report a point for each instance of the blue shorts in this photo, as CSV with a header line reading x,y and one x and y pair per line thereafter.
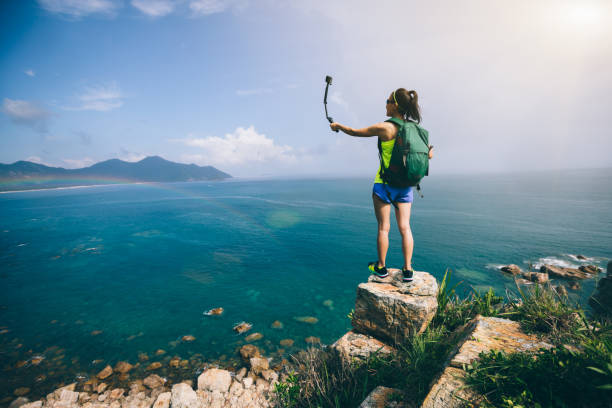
x,y
392,195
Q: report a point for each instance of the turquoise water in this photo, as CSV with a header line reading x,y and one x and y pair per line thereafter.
x,y
142,263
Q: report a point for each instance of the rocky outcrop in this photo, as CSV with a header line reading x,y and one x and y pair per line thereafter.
x,y
216,388
359,346
601,300
493,333
481,334
392,310
584,272
449,391
383,397
537,277
513,269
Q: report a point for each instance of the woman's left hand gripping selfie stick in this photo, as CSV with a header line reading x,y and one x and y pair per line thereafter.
x,y
328,79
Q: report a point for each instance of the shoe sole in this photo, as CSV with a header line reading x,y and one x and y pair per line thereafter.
x,y
406,280
380,276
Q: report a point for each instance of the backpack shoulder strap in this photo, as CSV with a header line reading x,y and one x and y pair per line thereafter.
x,y
382,163
397,121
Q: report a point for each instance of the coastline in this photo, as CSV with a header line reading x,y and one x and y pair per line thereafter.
x,y
145,379
67,187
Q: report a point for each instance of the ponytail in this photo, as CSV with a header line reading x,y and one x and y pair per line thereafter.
x,y
408,104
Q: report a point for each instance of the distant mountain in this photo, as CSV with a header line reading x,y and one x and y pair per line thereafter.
x,y
23,175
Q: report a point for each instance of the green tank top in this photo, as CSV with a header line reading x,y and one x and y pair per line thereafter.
x,y
387,148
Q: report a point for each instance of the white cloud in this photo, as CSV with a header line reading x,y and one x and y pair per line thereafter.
x,y
336,97
26,113
207,7
79,8
154,8
130,156
36,159
29,72
241,148
254,91
100,98
79,163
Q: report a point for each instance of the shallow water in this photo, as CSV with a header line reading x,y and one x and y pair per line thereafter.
x,y
109,272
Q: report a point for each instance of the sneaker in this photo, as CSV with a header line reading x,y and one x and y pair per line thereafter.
x,y
407,274
380,272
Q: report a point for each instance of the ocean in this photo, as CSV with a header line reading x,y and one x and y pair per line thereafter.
x,y
91,276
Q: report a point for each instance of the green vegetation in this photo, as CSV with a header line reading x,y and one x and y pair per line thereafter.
x,y
576,372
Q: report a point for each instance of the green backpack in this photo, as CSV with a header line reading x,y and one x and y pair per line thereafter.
x,y
409,161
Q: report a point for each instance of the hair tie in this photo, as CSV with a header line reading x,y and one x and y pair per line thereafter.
x,y
395,100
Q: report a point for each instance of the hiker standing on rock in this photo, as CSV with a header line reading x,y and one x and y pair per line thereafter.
x,y
402,166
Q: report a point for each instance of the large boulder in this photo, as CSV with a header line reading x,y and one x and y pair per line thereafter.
x,y
450,391
183,396
566,273
383,397
481,334
537,277
512,268
392,310
359,346
163,400
601,300
215,379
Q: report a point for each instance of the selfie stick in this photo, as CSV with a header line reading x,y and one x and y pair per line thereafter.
x,y
328,79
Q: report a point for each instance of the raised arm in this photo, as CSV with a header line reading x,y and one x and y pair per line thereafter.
x,y
383,129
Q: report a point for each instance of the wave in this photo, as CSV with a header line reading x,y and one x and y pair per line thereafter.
x,y
555,261
563,261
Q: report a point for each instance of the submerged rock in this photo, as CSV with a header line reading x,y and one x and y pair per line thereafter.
x,y
154,366
106,372
21,391
306,319
247,351
254,337
123,367
277,324
312,340
188,337
286,342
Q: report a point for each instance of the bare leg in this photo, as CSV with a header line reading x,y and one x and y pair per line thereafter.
x,y
402,214
383,214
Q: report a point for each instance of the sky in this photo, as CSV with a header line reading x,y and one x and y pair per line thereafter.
x,y
238,84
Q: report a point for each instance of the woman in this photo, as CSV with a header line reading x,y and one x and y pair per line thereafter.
x,y
401,104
